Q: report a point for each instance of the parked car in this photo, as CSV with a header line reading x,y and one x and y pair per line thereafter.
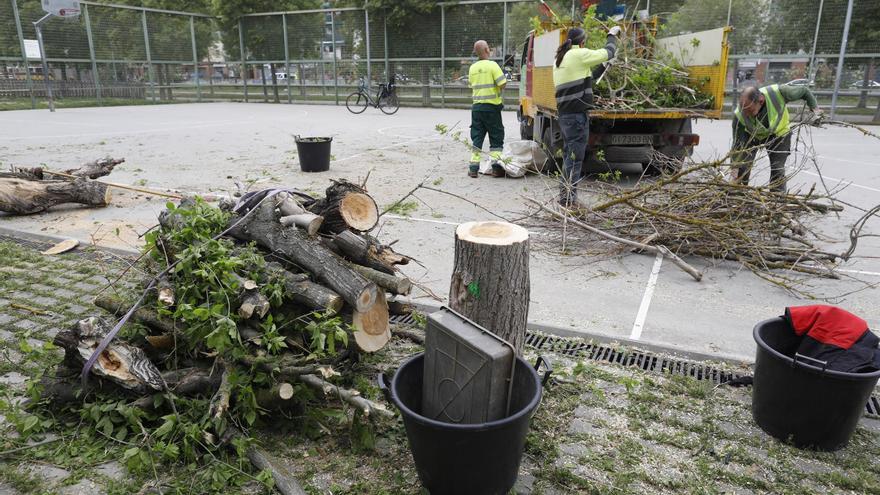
x,y
863,84
801,82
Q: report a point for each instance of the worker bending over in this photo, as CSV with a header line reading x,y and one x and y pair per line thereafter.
x,y
762,120
573,75
487,81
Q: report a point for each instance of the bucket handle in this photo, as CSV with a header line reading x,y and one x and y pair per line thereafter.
x,y
384,386
549,367
801,356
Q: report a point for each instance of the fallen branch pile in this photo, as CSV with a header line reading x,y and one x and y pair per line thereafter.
x,y
251,309
699,212
24,191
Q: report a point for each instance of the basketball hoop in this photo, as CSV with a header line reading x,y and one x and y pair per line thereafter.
x,y
62,8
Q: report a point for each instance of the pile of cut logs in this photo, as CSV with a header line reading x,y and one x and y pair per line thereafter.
x,y
24,191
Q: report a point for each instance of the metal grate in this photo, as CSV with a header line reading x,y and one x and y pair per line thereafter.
x,y
645,361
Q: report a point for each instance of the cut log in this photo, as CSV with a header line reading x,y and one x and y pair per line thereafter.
x,y
277,397
253,303
25,197
400,286
166,291
298,288
372,331
35,173
124,365
490,278
294,214
262,227
352,397
366,251
346,206
95,169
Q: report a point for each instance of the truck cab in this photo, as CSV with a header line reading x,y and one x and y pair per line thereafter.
x,y
624,136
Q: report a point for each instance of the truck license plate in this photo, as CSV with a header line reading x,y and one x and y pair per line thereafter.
x,y
630,139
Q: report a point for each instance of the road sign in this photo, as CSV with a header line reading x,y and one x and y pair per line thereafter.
x,y
32,49
61,8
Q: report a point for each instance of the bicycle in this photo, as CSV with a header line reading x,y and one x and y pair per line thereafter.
x,y
386,98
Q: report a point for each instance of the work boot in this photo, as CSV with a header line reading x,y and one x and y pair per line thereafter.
x,y
474,170
498,170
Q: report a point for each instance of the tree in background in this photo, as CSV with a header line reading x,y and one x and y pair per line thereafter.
x,y
747,18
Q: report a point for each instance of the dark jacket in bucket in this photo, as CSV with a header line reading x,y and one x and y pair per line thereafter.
x,y
836,337
796,399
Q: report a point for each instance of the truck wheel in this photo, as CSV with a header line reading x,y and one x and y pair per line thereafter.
x,y
628,154
526,132
554,163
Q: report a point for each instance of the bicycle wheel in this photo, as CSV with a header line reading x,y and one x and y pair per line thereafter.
x,y
389,104
356,102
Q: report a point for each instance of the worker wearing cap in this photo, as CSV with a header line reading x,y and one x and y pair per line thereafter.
x,y
573,75
762,121
487,81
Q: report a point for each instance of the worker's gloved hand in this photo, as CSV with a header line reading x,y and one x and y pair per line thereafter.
x,y
615,31
817,117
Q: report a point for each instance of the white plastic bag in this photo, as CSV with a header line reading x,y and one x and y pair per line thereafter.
x,y
518,158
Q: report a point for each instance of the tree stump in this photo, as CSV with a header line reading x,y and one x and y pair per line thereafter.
x,y
490,278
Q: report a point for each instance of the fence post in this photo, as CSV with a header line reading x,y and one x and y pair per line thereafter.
x,y
387,64
243,58
810,76
837,77
85,11
504,46
149,56
442,56
286,57
367,28
335,69
192,33
27,64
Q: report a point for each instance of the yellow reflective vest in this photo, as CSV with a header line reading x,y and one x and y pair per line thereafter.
x,y
485,78
777,115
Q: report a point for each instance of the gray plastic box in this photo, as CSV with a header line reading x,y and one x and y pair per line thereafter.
x,y
468,371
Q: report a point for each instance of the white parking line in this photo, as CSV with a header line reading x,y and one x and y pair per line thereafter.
x,y
860,272
646,299
849,184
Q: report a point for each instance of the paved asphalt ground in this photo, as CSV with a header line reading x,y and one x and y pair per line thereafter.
x,y
205,147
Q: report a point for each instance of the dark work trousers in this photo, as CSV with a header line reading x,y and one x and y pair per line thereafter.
x,y
486,119
778,149
575,133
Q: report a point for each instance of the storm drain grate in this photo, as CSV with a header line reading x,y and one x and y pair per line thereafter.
x,y
645,361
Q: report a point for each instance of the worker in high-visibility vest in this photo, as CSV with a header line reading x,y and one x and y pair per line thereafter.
x,y
487,81
573,73
762,121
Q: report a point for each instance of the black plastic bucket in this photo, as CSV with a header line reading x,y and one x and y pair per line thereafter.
x,y
314,153
464,459
796,399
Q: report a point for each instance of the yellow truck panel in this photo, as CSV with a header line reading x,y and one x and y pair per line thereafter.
x,y
711,46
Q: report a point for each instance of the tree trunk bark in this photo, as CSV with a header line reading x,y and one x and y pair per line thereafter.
x,y
274,82
25,197
877,112
299,288
95,169
366,251
263,228
490,278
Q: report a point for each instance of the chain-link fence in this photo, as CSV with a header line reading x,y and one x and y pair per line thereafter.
x,y
147,55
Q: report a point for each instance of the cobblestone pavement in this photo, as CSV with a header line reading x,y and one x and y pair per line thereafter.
x,y
601,428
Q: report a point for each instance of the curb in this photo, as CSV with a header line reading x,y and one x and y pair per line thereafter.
x,y
657,347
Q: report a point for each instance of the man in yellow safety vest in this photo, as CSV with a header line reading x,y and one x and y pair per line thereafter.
x,y
762,121
487,81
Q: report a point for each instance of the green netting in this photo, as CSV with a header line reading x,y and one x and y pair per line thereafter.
x,y
10,46
419,40
264,38
118,34
306,36
170,38
466,24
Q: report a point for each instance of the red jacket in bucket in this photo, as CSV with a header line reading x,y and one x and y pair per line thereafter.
x,y
835,336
